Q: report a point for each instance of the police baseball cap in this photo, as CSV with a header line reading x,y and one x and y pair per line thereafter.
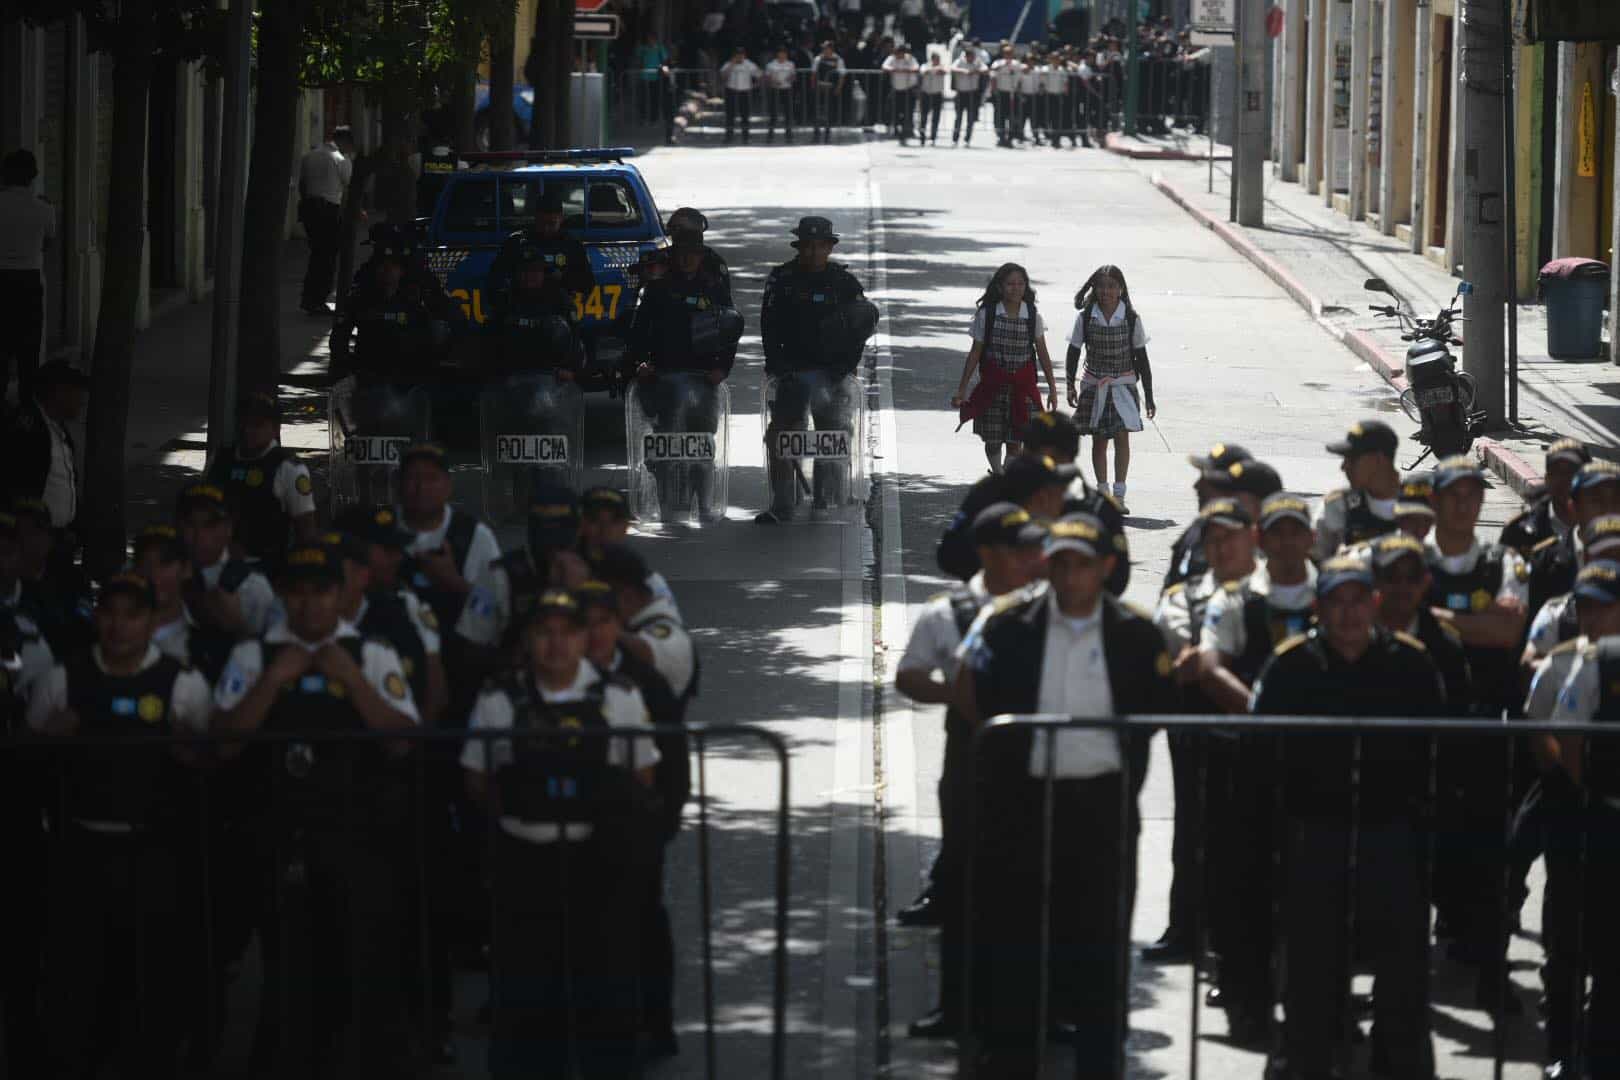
x,y
1455,469
315,563
1600,534
1391,548
165,539
374,525
814,228
1595,473
596,594
1366,437
1006,524
128,584
1416,497
1599,581
1568,452
553,518
556,602
1227,513
1284,507
1342,570
1245,478
1084,533
1051,431
260,403
209,497
1028,473
618,565
425,451
605,498
347,546
1221,455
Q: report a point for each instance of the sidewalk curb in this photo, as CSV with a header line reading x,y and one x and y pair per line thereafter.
x,y
1115,143
1509,466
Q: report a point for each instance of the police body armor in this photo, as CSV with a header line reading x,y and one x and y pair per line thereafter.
x,y
563,779
538,331
1553,566
320,784
262,525
1360,523
524,585
1265,626
446,605
232,576
1496,671
119,783
1603,755
397,336
388,619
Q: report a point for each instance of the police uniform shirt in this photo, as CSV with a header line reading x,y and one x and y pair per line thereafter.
x,y
1074,682
1004,75
902,72
1581,694
1029,80
173,638
622,707
1545,631
488,611
420,615
1173,616
1224,631
739,75
380,666
1056,81
659,625
61,493
1330,525
34,657
261,608
1552,671
290,485
1515,584
482,549
935,639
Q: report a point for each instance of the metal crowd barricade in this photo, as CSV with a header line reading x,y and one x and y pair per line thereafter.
x,y
1003,730
250,803
656,99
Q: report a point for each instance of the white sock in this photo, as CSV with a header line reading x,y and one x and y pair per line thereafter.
x,y
1119,492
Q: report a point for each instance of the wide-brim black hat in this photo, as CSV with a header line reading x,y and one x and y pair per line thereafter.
x,y
814,228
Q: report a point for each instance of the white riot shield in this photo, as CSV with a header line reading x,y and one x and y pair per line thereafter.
x,y
814,446
531,430
370,425
675,443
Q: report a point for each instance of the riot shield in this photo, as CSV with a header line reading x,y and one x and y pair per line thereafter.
x,y
370,424
675,443
531,430
814,425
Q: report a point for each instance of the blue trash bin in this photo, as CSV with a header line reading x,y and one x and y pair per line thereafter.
x,y
1575,292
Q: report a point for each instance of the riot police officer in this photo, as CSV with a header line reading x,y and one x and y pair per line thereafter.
x,y
265,481
533,284
814,318
686,218
398,309
573,843
681,347
1366,508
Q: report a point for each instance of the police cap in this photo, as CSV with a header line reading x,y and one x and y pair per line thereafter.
x,y
1284,507
1366,437
1028,473
1599,582
814,228
1342,570
347,546
1600,534
374,525
1416,497
596,594
1568,452
556,602
314,563
1006,524
1456,469
553,518
128,584
1052,431
1595,473
164,539
605,498
205,497
1227,513
1391,548
425,451
1245,477
1221,455
1083,533
620,566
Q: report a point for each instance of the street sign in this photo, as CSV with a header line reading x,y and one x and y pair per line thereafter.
x,y
596,26
589,7
1214,16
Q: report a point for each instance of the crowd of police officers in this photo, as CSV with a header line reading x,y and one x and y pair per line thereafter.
x,y
1300,858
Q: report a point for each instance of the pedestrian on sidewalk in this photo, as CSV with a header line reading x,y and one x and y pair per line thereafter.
x,y
738,75
901,68
968,75
1004,86
932,99
1008,337
1106,405
780,74
27,228
323,177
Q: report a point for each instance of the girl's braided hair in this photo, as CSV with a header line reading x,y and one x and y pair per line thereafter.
x,y
1088,292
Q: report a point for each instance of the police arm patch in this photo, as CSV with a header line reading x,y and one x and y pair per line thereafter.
x,y
302,484
394,686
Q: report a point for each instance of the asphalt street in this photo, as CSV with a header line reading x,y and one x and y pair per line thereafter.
x,y
797,623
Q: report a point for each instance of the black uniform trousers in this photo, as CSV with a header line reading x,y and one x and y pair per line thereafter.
x,y
1238,877
900,106
22,910
967,107
1583,874
738,106
930,106
564,959
111,933
780,103
693,406
948,879
22,313
1187,753
1093,887
1391,927
827,109
1471,848
657,954
1005,102
322,222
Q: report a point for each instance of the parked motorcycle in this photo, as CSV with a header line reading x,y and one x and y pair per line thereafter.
x,y
1438,397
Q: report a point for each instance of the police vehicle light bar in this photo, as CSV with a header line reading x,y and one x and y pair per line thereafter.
x,y
600,153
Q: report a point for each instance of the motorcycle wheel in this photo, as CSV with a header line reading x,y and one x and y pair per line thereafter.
x,y
1468,388
1409,406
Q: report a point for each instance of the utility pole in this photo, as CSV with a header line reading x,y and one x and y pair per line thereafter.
x,y
1133,75
1483,207
233,144
1249,150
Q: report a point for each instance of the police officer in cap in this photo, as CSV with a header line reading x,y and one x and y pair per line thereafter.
x,y
450,549
49,587
1008,541
1366,508
1368,787
397,307
498,605
681,346
814,318
1186,553
226,594
396,616
113,870
338,828
1594,491
604,522
1414,507
265,481
1556,622
688,219
1034,481
536,286
160,557
1549,515
574,839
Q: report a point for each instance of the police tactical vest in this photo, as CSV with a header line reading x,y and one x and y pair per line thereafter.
x,y
249,484
1495,671
524,585
446,605
1360,523
555,776
389,619
1603,755
1265,626
119,783
1553,566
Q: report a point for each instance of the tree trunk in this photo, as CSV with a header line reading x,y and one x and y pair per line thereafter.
x,y
502,58
396,184
275,127
463,110
562,67
101,507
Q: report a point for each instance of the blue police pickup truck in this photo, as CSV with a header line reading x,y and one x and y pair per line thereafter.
x,y
606,205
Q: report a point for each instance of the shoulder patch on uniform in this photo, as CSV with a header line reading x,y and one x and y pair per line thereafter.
x,y
1407,639
1336,495
660,630
302,484
1234,587
394,685
1521,571
1163,665
1180,586
1292,643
